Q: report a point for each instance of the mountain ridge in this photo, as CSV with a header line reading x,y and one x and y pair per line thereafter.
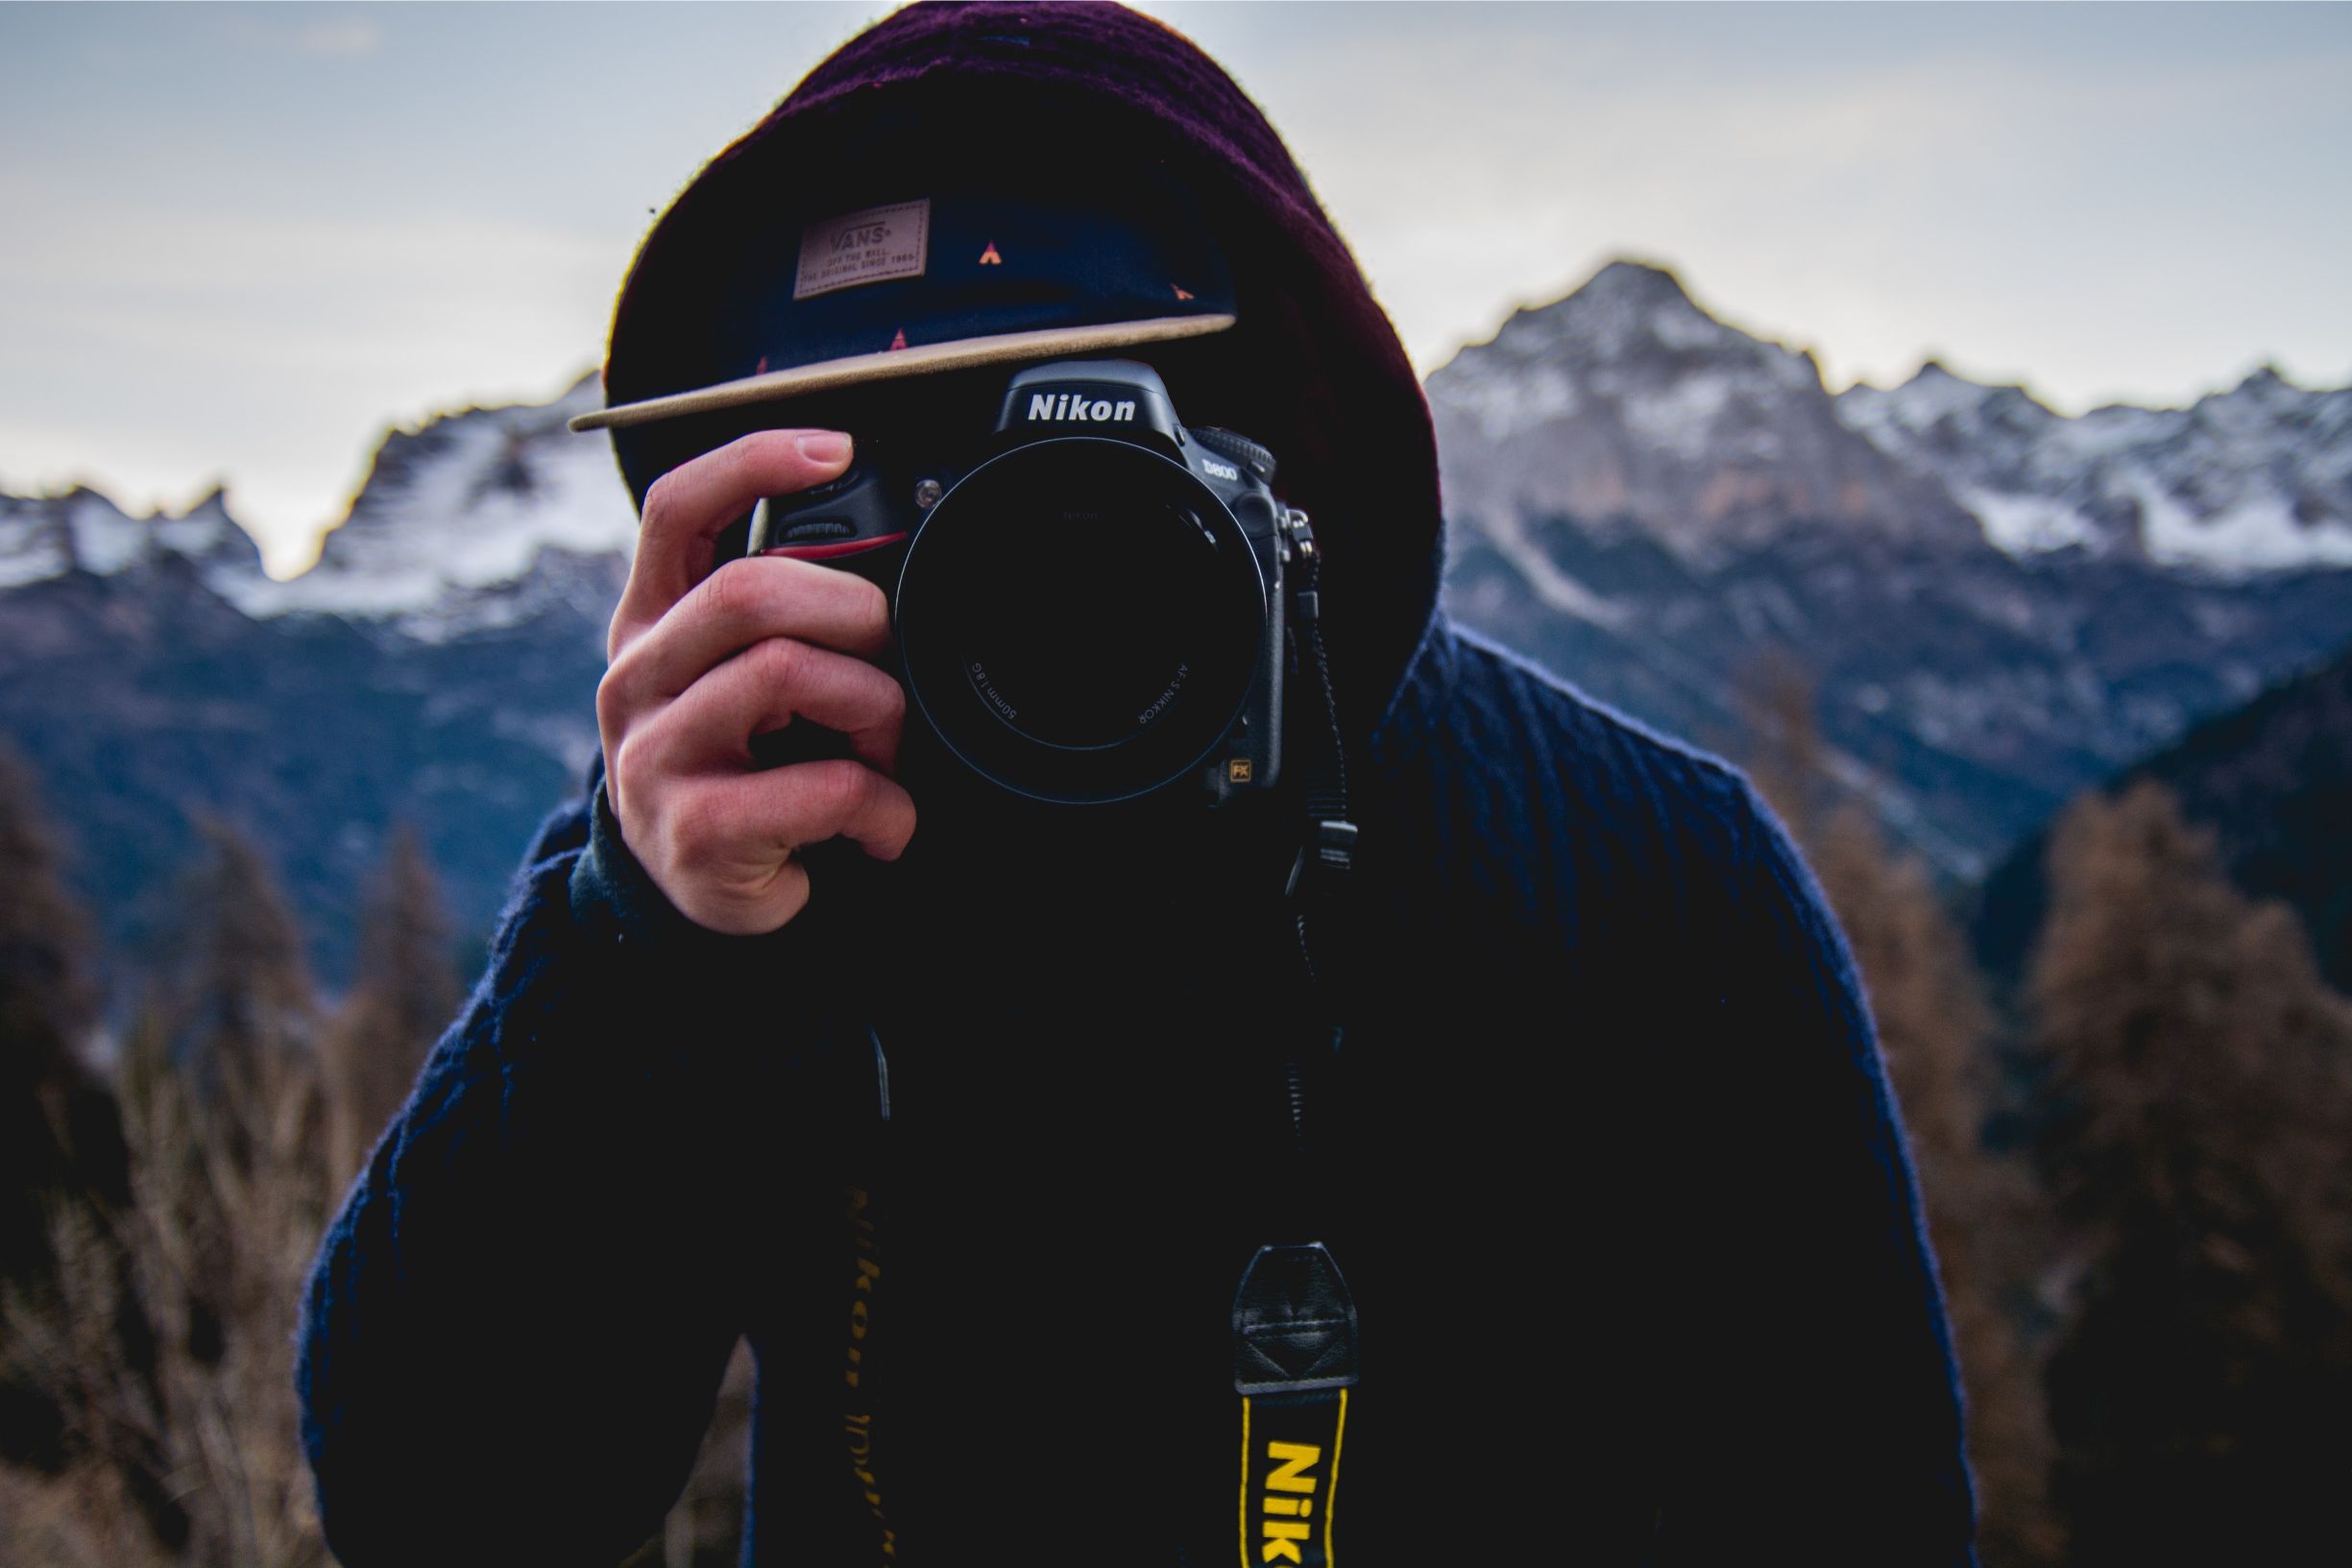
x,y
1642,497
2272,780
1974,671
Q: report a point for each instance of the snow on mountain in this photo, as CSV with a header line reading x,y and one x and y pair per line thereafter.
x,y
42,537
467,522
2256,479
1631,336
456,517
35,539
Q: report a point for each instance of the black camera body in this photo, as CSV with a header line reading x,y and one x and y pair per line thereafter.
x,y
1089,600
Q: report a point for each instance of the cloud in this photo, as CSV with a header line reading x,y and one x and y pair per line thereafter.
x,y
93,244
346,35
343,35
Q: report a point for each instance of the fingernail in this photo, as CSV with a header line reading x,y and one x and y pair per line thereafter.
x,y
824,447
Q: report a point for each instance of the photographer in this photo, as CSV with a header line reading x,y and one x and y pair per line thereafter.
x,y
1128,1016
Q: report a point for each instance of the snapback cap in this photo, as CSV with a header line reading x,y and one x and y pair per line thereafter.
x,y
924,281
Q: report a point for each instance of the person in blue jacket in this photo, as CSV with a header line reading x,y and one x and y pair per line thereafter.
x,y
1550,1200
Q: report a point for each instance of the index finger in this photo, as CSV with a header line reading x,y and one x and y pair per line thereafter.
x,y
688,507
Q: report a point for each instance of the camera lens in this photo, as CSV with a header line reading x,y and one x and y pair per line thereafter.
x,y
1080,619
1085,640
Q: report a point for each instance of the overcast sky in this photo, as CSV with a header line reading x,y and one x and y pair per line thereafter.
x,y
237,242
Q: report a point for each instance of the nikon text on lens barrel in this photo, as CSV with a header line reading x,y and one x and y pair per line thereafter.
x,y
1090,603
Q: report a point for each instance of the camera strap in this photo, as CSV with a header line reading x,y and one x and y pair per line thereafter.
x,y
1295,1359
1294,1356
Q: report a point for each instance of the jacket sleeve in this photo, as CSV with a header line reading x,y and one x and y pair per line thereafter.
x,y
516,1326
1814,1404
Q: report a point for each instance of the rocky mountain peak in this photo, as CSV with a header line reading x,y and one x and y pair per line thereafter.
x,y
1627,404
209,535
1642,283
1939,408
456,513
1625,308
81,529
1632,321
2252,481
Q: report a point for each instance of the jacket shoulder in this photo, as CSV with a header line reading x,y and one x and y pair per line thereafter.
x,y
1583,728
1544,786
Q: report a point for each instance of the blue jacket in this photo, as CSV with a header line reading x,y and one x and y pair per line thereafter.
x,y
1607,1153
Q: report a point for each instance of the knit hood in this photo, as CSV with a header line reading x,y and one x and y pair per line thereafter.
x,y
1312,371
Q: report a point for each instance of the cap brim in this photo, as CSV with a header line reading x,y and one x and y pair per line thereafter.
x,y
921,360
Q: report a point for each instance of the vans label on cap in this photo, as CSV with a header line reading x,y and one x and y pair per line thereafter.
x,y
868,247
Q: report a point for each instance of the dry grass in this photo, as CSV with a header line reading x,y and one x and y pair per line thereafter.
x,y
169,1335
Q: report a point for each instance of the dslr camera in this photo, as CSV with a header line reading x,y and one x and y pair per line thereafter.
x,y
1088,599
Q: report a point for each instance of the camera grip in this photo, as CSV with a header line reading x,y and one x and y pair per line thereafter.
x,y
877,561
847,875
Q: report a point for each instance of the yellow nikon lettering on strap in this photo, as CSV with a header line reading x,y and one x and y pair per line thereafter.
x,y
1283,1477
1292,1462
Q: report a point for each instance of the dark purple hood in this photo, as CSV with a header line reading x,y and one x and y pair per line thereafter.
x,y
1315,371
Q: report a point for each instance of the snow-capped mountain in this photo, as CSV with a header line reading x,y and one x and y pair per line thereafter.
x,y
469,523
1999,603
48,535
438,666
1628,405
2256,479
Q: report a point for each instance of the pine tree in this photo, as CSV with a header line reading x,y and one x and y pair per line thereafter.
x,y
2202,1074
405,994
240,989
48,1011
1985,1214
60,1138
1936,1033
230,1134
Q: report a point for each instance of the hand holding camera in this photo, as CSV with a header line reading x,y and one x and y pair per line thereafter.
x,y
1086,602
1088,595
703,660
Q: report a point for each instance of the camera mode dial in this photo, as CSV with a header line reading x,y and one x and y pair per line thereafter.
x,y
1236,449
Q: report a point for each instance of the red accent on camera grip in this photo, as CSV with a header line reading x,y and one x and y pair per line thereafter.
x,y
838,547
